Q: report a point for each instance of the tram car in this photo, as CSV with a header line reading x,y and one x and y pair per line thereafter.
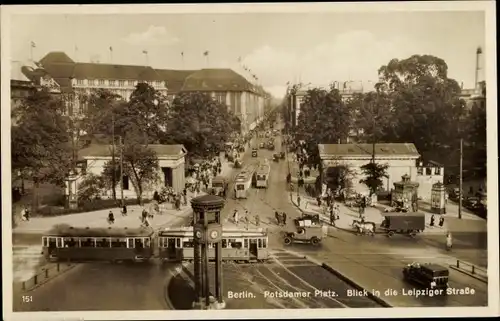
x,y
241,245
67,243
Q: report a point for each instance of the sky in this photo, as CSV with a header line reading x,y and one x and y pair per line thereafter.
x,y
311,47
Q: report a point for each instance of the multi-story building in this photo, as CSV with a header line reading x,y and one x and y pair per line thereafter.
x,y
74,79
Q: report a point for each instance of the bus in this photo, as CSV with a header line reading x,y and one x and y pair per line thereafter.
x,y
262,175
243,182
177,244
69,243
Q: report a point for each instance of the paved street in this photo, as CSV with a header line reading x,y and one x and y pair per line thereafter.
x,y
374,262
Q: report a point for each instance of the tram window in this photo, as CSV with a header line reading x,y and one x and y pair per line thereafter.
x,y
138,243
130,243
147,242
171,242
88,242
224,243
240,187
59,242
69,242
52,241
260,243
264,242
245,243
189,243
178,242
45,241
236,245
117,242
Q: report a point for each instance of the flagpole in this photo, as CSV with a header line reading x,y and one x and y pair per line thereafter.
x,y
182,57
31,51
111,55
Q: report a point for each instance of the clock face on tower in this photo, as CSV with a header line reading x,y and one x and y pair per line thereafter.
x,y
214,234
198,234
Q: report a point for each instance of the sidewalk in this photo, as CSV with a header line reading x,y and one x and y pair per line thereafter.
x,y
99,219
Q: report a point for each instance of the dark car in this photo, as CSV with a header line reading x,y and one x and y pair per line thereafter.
x,y
431,276
254,152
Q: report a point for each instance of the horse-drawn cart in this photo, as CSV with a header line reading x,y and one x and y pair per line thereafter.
x,y
403,223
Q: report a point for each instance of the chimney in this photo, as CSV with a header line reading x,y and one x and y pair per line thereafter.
x,y
479,52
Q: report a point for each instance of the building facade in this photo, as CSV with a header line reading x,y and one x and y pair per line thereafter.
x,y
400,158
428,174
77,79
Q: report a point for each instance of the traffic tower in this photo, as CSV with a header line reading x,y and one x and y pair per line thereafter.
x,y
207,229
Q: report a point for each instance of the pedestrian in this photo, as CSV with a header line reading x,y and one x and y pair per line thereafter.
x,y
235,217
319,201
298,200
124,210
449,241
284,218
184,198
441,221
332,217
432,220
111,217
278,217
178,203
257,220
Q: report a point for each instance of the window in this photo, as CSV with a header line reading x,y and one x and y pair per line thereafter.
x,y
125,183
220,97
121,83
259,243
91,82
245,243
79,82
420,171
237,106
111,83
264,242
224,243
188,243
101,82
131,83
428,171
178,242
437,171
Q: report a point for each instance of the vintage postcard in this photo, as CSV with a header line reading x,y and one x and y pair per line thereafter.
x,y
249,161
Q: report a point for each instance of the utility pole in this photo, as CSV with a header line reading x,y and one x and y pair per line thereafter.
x,y
460,182
121,170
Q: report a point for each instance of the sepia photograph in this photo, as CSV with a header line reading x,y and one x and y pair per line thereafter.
x,y
257,160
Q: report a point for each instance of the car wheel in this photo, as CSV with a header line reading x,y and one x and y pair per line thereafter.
x,y
288,240
314,240
390,233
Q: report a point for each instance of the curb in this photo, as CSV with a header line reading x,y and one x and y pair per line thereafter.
x,y
344,278
69,267
355,285
475,276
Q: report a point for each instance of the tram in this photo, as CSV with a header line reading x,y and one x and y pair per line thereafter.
x,y
105,244
262,176
243,182
177,244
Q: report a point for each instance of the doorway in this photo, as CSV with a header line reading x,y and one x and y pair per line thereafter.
x,y
167,176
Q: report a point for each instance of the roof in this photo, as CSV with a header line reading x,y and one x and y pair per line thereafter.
x,y
207,200
56,57
174,78
109,71
70,231
16,71
104,150
216,80
407,149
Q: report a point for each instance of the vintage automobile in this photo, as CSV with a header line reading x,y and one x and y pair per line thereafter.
x,y
432,276
276,157
282,155
270,145
262,145
254,152
403,223
238,163
306,231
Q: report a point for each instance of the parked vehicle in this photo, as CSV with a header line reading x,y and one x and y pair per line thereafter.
x,y
254,152
219,186
403,223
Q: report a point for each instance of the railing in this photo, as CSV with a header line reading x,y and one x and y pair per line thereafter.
x,y
473,270
45,275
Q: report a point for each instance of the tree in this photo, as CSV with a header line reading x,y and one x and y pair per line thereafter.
x,y
111,175
141,165
90,188
200,123
40,140
323,119
425,103
373,176
339,177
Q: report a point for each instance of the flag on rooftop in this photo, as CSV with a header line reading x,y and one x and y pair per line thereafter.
x,y
205,53
33,44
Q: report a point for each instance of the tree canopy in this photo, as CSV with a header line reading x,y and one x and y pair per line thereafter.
x,y
200,123
323,119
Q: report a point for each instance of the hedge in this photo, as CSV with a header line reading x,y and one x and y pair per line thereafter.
x,y
94,205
